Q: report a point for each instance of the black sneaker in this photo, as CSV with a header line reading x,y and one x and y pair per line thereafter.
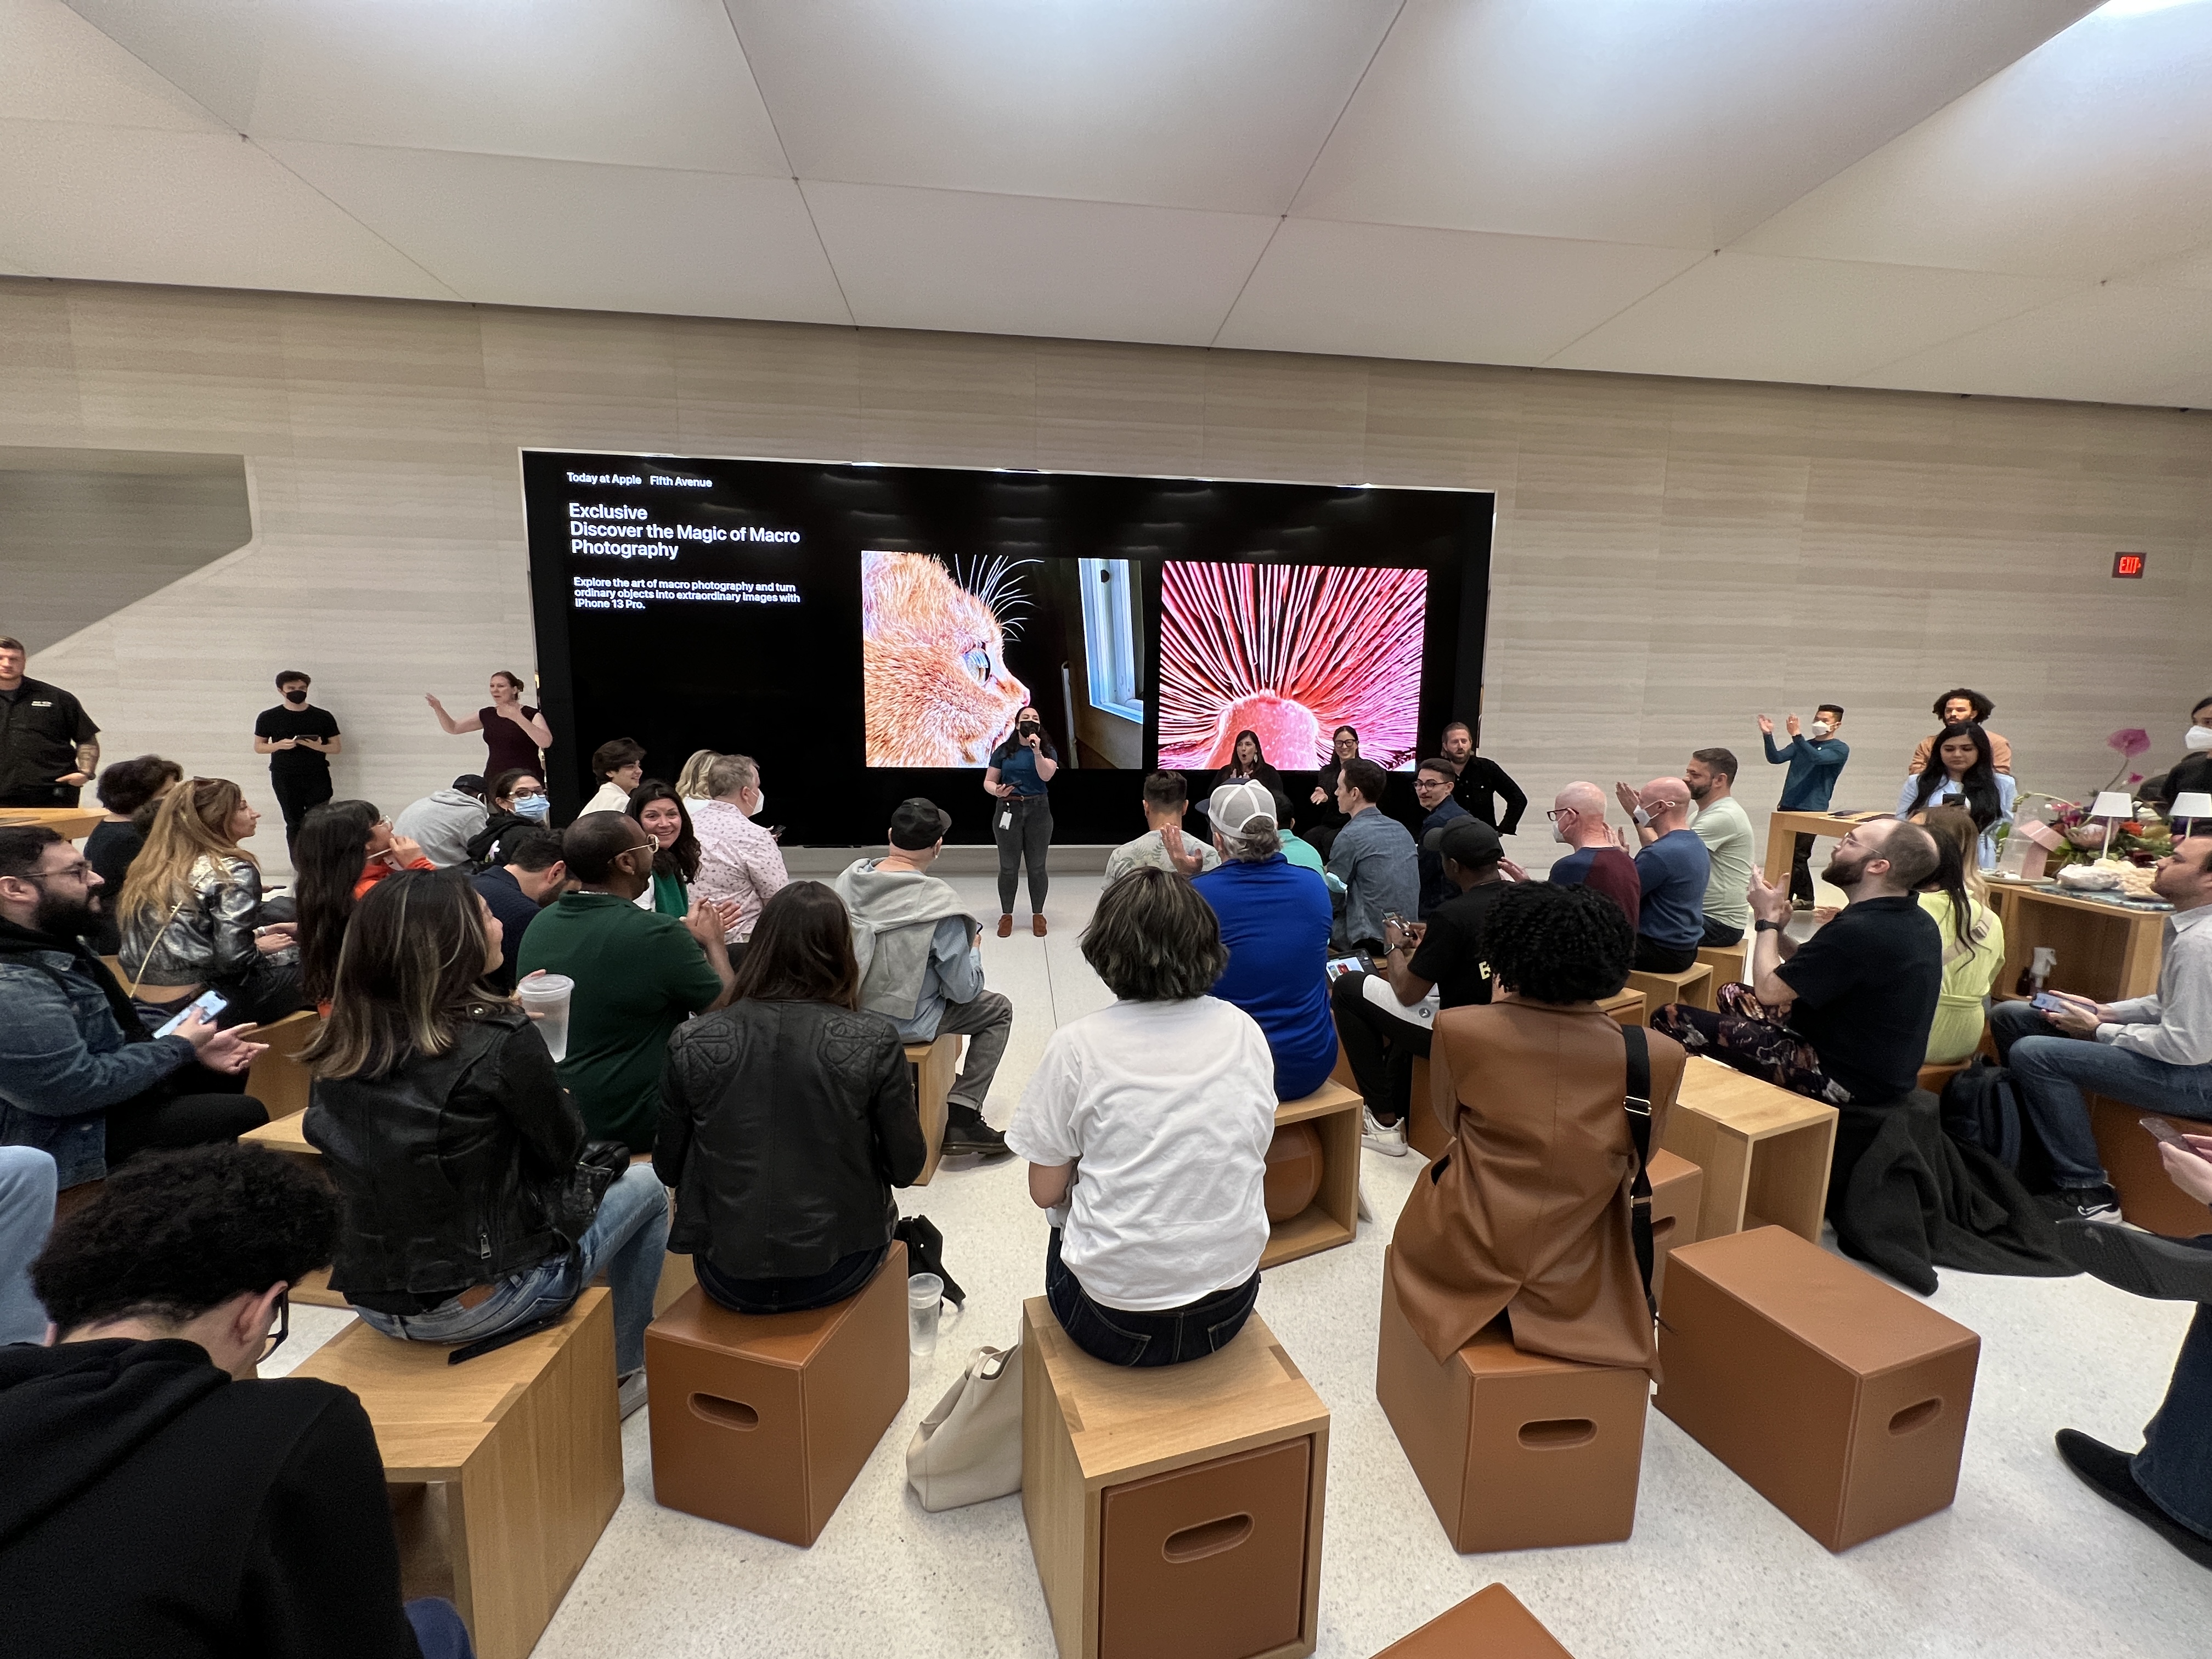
x,y
967,1134
2142,1264
2107,1471
2098,1203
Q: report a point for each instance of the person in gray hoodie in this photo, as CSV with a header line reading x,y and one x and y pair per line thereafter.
x,y
445,821
921,964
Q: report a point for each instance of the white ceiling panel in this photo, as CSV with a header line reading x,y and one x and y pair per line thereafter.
x,y
1028,264
1213,104
1745,316
1391,291
59,68
2117,343
136,204
2090,157
209,49
520,231
1678,122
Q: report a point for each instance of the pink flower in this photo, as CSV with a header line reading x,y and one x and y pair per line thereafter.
x,y
2131,741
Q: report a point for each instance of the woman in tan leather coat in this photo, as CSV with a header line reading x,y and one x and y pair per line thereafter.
x,y
1527,1212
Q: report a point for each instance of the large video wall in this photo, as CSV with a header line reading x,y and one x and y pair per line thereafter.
x,y
867,633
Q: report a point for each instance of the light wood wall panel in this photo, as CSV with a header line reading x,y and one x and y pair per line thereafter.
x,y
1672,556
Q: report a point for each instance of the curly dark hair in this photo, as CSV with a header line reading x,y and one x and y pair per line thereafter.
x,y
130,784
174,1234
1564,944
1153,939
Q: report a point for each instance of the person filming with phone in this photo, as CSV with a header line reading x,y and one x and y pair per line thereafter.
x,y
2153,1052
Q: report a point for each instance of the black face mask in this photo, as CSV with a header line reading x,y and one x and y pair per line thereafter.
x,y
296,696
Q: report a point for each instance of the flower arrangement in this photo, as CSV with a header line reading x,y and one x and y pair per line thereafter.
x,y
2142,840
2128,743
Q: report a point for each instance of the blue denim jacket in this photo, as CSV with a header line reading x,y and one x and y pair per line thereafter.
x,y
64,1061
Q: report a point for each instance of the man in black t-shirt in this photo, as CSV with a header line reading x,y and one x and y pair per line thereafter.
x,y
1383,1018
1845,1016
299,738
49,747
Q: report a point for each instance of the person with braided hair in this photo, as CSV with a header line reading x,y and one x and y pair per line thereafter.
x,y
1528,1212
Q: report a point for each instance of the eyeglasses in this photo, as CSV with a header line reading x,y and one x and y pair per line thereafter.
x,y
275,1339
1556,813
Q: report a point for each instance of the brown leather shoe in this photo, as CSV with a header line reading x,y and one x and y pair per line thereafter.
x,y
1036,926
1006,926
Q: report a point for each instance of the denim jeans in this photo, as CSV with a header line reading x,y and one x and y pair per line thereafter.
x,y
2055,1072
26,1215
629,1237
438,1628
2175,1465
1167,1338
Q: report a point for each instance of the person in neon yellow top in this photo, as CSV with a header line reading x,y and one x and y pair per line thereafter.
x,y
1973,937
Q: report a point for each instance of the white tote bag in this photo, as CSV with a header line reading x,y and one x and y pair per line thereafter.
x,y
969,1449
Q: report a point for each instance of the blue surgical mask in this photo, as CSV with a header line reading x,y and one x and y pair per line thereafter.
x,y
534,806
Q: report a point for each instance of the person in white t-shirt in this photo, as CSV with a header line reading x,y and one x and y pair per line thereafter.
x,y
1147,1128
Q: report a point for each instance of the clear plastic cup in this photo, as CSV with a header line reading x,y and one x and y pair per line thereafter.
x,y
544,998
925,1294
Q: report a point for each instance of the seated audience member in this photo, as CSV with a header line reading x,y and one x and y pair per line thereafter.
x,y
330,858
619,766
130,790
28,1186
787,1118
655,807
2190,776
1247,764
1964,776
921,964
2162,1486
2153,1052
1432,788
1274,919
1598,862
638,975
79,1077
162,1500
691,781
738,861
1302,854
1478,782
1962,708
1163,846
387,852
1972,936
1385,1017
1373,856
517,891
1845,1016
444,822
518,801
1725,829
190,910
1815,757
1673,869
1147,1126
1320,814
447,1134
1528,1213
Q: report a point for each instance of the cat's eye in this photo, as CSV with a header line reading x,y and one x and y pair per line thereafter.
x,y
978,663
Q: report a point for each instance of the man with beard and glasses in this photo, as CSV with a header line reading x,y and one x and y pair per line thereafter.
x,y
79,1078
1843,1017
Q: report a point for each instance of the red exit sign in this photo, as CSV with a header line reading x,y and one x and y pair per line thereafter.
x,y
2127,564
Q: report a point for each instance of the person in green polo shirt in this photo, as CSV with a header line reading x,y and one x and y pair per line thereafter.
x,y
639,975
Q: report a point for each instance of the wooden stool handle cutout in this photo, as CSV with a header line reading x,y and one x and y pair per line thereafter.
x,y
1207,1538
1917,1417
1557,1433
729,1414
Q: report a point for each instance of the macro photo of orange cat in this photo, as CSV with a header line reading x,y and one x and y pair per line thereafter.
x,y
936,685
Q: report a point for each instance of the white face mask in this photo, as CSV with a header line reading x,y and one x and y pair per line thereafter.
x,y
760,803
1642,818
1821,728
2199,738
1557,834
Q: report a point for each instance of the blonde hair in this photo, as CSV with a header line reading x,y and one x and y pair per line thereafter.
x,y
191,823
691,781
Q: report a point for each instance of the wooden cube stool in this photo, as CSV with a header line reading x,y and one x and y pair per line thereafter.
x,y
935,1065
1693,985
1839,1399
1333,1218
763,1422
509,1466
2129,1152
1424,1131
277,1078
1624,1006
1515,1450
1728,963
1933,1078
1677,1188
1174,1512
1764,1150
1491,1624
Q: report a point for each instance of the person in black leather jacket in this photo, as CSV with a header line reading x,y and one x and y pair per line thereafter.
x,y
785,1120
453,1143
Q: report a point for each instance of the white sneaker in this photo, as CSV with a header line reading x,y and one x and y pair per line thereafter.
x,y
629,1392
1389,1139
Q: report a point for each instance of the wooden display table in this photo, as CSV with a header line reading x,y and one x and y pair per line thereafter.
x,y
2105,952
1782,830
70,822
1764,1150
1333,1218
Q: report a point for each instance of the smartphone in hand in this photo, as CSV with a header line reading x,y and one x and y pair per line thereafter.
x,y
2172,1136
210,1002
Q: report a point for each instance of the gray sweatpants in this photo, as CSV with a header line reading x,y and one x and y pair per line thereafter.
x,y
986,1022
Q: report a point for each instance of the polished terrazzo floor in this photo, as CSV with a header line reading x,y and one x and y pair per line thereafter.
x,y
2026,1562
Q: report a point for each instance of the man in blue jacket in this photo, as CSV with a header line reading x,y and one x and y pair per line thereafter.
x,y
1816,759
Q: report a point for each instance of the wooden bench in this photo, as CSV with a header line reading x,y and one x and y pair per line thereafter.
x,y
505,1469
1693,985
1333,1218
1764,1151
935,1065
1177,1509
1491,1624
277,1078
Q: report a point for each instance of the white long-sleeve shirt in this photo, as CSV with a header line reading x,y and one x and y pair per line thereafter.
x,y
2175,1025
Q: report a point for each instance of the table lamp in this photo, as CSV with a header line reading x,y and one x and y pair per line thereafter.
x,y
2113,804
2191,808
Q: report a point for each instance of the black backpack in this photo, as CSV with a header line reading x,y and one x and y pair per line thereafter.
x,y
1981,1108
